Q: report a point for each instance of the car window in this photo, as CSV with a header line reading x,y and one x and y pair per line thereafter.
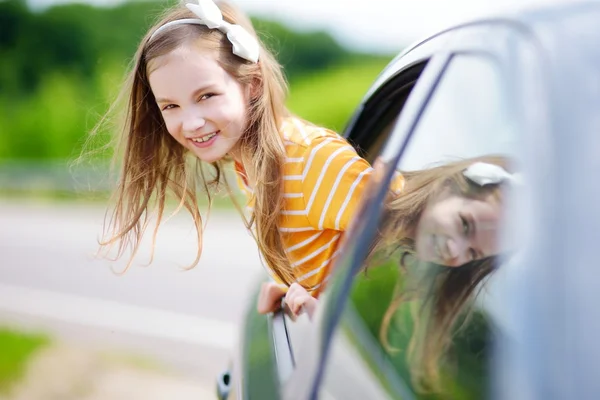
x,y
469,115
371,127
439,242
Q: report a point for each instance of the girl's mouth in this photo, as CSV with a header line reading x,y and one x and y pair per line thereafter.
x,y
206,140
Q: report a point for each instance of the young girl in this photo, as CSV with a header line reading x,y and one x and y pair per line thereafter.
x,y
448,215
448,249
204,87
443,230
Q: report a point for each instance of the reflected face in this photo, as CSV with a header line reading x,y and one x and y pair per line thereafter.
x,y
454,230
204,107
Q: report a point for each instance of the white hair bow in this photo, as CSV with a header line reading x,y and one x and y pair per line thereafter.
x,y
244,44
489,174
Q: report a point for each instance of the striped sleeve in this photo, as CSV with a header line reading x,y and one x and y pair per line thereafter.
x,y
333,179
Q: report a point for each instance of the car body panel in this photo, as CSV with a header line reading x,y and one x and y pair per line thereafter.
x,y
552,60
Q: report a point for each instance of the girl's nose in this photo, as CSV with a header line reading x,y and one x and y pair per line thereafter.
x,y
192,122
453,252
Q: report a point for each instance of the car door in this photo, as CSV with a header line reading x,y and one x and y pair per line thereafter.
x,y
469,105
267,358
378,110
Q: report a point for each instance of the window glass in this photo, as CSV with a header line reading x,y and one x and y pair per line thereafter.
x,y
373,126
440,241
469,115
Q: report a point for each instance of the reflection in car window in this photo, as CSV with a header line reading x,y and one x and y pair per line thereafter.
x,y
438,241
468,116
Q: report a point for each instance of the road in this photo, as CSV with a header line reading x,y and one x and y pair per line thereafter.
x,y
51,280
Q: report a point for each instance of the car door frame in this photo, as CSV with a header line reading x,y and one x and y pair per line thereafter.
x,y
483,37
282,343
299,382
279,322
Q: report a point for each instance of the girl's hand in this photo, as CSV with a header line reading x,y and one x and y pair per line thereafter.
x,y
269,298
297,297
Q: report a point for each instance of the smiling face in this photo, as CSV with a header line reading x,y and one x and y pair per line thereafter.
x,y
203,107
454,230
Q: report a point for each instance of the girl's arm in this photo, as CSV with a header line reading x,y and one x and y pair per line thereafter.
x,y
297,298
333,184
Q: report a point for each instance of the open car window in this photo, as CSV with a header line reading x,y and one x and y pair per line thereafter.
x,y
418,311
373,123
370,127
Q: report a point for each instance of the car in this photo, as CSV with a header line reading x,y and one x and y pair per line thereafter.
x,y
525,86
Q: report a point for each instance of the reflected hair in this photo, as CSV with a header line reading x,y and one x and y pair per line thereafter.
x,y
438,295
438,300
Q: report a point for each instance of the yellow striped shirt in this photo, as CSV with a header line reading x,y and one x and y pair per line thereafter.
x,y
323,179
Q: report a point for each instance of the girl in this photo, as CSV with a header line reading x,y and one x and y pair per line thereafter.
x,y
447,215
455,224
204,87
444,230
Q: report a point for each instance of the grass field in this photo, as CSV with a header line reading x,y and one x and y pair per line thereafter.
x,y
15,349
330,97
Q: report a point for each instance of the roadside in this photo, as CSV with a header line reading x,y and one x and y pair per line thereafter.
x,y
66,372
101,324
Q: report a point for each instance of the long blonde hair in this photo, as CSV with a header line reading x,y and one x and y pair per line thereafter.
x,y
439,295
153,163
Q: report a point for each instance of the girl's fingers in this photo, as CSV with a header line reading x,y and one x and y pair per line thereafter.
x,y
295,289
269,298
310,306
298,302
296,297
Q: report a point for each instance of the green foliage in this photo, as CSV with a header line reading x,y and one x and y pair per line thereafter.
x,y
63,66
465,377
16,349
77,39
45,124
300,53
372,292
328,98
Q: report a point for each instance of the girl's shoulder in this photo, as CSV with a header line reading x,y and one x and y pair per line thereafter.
x,y
300,136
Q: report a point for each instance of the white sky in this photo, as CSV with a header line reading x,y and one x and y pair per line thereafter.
x,y
377,25
386,25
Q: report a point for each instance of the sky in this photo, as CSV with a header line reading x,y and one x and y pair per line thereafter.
x,y
376,25
386,25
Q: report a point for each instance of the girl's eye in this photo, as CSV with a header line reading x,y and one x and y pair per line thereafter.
x,y
169,107
465,225
207,96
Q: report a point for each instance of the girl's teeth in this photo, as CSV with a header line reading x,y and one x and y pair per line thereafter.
x,y
205,138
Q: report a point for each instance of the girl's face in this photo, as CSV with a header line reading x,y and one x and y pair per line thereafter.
x,y
454,230
204,108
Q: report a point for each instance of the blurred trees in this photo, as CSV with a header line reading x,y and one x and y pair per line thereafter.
x,y
60,68
75,39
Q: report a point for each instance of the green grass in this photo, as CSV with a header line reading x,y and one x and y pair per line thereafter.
x,y
464,377
15,350
329,98
54,195
132,360
220,202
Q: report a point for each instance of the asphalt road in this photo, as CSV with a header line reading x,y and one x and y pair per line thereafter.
x,y
189,319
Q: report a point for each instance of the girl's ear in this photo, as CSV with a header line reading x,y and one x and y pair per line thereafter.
x,y
255,89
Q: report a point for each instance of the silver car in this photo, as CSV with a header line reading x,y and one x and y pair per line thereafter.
x,y
526,87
